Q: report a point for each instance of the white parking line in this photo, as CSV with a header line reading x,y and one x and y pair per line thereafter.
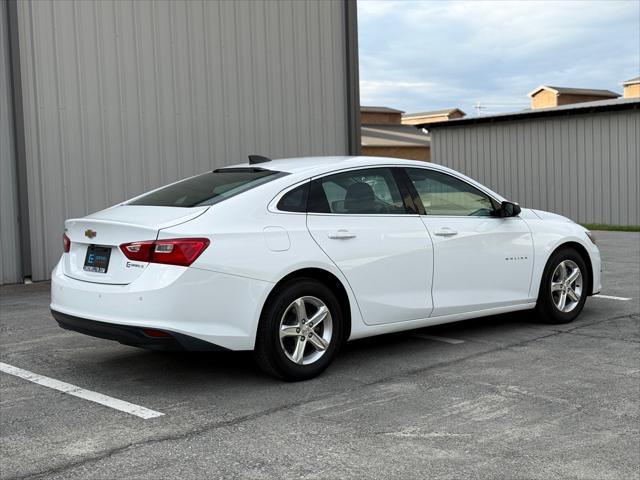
x,y
96,397
453,341
610,297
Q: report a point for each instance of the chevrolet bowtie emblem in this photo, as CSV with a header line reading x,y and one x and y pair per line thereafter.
x,y
89,233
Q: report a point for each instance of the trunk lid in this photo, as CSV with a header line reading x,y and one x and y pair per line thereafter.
x,y
102,233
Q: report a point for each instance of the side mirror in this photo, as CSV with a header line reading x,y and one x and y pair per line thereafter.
x,y
509,209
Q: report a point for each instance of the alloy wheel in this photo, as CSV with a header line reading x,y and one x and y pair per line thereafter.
x,y
306,328
566,286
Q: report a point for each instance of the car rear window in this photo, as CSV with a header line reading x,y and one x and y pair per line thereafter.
x,y
209,188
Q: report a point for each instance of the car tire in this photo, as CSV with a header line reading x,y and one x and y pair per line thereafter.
x,y
286,329
555,285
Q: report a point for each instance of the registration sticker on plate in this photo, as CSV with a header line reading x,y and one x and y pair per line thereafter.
x,y
97,259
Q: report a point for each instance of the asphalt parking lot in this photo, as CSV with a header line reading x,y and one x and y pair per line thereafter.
x,y
498,397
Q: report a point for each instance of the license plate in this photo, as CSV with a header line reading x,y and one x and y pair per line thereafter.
x,y
97,259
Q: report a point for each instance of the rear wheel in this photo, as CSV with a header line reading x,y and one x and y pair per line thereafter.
x,y
300,331
563,290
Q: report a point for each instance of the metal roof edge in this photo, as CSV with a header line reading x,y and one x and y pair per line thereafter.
x,y
432,113
579,109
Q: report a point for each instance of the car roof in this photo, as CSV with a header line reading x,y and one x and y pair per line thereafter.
x,y
319,165
308,167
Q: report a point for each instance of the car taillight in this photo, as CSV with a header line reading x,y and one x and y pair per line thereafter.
x,y
152,332
175,251
179,251
66,243
138,251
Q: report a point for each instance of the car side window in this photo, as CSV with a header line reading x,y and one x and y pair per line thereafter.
x,y
443,194
357,192
295,200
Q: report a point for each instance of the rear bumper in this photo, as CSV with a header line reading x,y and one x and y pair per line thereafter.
x,y
216,308
133,336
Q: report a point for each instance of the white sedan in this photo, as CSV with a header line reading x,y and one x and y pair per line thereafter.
x,y
291,258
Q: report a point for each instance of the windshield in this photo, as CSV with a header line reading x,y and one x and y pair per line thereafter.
x,y
208,188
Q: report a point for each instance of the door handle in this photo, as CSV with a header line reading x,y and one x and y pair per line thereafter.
x,y
445,232
341,235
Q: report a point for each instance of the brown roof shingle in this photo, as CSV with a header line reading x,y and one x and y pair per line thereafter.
x,y
576,91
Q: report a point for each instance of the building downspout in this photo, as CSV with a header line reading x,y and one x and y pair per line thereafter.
x,y
19,139
353,77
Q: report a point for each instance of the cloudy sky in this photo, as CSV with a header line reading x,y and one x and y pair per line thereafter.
x,y
426,55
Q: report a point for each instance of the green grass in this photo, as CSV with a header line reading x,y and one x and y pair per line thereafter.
x,y
612,228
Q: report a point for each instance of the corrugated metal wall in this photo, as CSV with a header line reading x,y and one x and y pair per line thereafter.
x,y
123,96
9,244
585,167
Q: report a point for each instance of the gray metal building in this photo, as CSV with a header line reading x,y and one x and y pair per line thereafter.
x,y
580,160
102,100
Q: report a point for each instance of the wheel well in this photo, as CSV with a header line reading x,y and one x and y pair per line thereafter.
x,y
585,256
328,279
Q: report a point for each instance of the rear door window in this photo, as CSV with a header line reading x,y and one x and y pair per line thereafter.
x,y
209,188
357,192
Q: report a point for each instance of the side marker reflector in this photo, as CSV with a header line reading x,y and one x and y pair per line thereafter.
x,y
155,333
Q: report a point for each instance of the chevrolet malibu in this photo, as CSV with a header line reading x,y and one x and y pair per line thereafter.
x,y
291,258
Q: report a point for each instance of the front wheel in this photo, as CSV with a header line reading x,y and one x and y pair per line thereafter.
x,y
300,331
563,290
